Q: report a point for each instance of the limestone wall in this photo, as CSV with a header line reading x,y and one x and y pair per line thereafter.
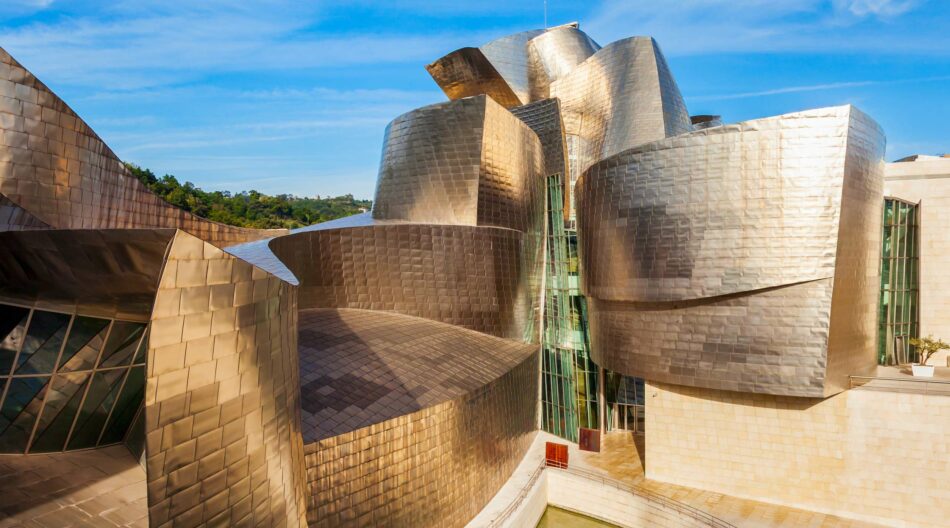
x,y
866,454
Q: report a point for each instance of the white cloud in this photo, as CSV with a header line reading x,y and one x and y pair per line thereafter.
x,y
695,27
880,8
817,88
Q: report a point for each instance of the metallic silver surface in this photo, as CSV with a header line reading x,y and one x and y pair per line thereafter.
x,y
509,55
544,118
553,54
435,467
15,218
622,96
483,279
704,254
53,166
104,272
222,400
362,367
467,72
465,162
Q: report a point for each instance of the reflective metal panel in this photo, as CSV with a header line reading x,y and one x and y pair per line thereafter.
x,y
509,55
480,278
53,166
466,162
15,218
108,272
362,367
466,72
622,96
222,400
680,237
553,54
435,467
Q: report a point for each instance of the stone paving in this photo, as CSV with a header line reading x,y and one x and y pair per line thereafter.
x,y
93,488
622,456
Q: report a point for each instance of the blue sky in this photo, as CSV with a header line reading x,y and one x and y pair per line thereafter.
x,y
293,97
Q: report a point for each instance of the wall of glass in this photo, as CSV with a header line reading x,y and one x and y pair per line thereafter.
x,y
569,377
898,314
626,403
67,381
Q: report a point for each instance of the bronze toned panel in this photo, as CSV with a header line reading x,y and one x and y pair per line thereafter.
x,y
730,209
361,367
15,218
480,278
435,467
222,400
770,341
466,72
466,162
107,273
553,54
852,342
56,168
622,96
509,55
683,237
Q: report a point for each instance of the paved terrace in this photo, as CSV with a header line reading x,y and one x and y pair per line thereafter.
x,y
621,458
92,488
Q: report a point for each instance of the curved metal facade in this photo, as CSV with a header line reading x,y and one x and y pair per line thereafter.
x,y
697,249
622,96
53,166
553,54
467,72
465,162
435,467
484,279
222,399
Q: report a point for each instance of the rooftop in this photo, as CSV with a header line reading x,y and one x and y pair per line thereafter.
x,y
362,367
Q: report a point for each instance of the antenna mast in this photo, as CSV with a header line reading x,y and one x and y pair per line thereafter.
x,y
545,14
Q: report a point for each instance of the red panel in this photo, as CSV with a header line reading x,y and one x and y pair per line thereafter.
x,y
555,455
590,440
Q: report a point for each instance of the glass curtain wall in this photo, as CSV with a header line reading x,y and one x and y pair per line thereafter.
x,y
626,403
569,377
898,320
67,381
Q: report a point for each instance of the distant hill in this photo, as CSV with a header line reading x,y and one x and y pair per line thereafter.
x,y
250,208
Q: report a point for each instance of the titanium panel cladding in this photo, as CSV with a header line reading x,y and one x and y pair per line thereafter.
x,y
483,279
553,54
53,166
466,72
685,225
435,467
622,96
465,162
222,400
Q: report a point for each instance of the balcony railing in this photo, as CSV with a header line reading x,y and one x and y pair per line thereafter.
x,y
652,497
902,384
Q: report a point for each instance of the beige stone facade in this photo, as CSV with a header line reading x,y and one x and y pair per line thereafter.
x,y
926,180
881,456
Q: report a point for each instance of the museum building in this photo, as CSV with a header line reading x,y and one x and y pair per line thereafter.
x,y
559,249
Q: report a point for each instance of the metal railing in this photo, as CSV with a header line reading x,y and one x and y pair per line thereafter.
x,y
522,495
908,384
650,496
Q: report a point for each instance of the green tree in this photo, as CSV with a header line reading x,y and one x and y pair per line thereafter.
x,y
249,208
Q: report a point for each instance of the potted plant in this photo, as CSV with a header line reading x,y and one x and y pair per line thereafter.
x,y
927,347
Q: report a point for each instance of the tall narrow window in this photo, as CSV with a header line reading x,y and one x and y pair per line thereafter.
x,y
898,320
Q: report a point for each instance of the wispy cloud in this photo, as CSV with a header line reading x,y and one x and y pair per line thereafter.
x,y
691,27
879,8
816,88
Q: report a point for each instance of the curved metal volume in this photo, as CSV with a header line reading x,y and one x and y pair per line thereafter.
x,y
735,257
